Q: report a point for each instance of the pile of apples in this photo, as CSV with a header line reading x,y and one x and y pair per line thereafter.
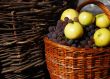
x,y
75,29
83,29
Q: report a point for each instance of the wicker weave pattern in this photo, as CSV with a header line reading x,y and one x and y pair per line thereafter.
x,y
73,63
65,62
22,27
32,73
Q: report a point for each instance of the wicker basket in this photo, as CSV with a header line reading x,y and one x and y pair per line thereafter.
x,y
23,25
31,73
65,62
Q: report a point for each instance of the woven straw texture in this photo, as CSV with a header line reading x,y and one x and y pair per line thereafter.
x,y
64,62
23,23
31,73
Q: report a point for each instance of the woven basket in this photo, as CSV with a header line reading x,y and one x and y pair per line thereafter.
x,y
22,27
65,62
31,73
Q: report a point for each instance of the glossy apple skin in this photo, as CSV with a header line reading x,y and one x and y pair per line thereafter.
x,y
102,37
102,20
70,13
73,30
86,18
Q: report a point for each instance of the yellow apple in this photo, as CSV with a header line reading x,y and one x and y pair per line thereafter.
x,y
102,20
86,18
73,30
102,37
70,13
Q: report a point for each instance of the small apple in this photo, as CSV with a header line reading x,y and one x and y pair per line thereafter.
x,y
86,18
102,20
73,30
70,13
102,37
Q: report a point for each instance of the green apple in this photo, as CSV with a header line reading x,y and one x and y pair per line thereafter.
x,y
73,30
102,20
70,13
102,37
86,18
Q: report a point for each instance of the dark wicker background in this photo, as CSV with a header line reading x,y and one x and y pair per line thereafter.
x,y
23,24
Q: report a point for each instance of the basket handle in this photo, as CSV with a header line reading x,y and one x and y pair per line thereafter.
x,y
98,3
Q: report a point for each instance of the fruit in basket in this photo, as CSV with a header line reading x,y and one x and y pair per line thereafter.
x,y
86,18
70,30
70,13
102,20
73,30
102,37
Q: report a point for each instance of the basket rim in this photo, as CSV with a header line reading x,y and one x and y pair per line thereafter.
x,y
47,40
102,6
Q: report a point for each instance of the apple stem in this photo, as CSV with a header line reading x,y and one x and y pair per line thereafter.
x,y
76,19
99,35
